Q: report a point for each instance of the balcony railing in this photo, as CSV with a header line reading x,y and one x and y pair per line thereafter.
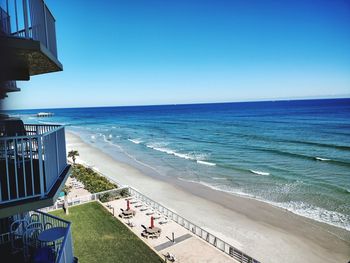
x,y
20,232
65,252
31,163
29,19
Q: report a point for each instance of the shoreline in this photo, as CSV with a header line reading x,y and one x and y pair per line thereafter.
x,y
253,226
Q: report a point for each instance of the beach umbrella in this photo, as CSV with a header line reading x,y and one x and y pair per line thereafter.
x,y
152,221
127,205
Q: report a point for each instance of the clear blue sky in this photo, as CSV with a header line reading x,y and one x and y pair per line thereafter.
x,y
181,51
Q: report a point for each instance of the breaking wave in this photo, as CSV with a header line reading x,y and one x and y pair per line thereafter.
x,y
259,172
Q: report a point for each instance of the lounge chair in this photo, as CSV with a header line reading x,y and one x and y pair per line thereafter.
x,y
130,224
170,257
163,222
154,235
121,215
145,234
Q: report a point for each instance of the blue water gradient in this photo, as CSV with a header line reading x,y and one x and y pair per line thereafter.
x,y
292,154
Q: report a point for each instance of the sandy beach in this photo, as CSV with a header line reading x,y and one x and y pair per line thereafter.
x,y
265,232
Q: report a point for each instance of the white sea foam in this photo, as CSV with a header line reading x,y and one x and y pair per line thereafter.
x,y
220,188
188,156
108,141
322,159
129,155
52,123
170,152
299,208
316,213
184,156
136,141
259,172
206,163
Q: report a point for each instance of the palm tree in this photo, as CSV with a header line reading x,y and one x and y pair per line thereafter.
x,y
73,154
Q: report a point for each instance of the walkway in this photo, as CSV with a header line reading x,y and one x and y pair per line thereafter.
x,y
186,248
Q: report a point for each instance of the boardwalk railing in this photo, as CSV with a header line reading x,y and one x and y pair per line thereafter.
x,y
30,19
196,230
31,162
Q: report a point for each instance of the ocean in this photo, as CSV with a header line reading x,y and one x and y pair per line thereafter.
x,y
291,154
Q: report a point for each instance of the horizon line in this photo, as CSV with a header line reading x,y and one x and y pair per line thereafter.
x,y
345,96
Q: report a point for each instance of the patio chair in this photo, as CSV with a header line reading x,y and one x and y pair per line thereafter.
x,y
17,230
30,239
154,235
163,222
130,224
35,225
34,218
47,225
145,234
170,257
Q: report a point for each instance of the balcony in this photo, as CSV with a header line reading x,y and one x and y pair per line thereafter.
x,y
22,241
27,39
33,167
7,86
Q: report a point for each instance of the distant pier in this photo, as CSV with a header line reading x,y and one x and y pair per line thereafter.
x,y
44,114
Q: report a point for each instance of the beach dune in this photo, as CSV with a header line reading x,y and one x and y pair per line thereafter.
x,y
265,232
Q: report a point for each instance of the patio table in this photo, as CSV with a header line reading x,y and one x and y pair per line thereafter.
x,y
153,230
52,235
128,212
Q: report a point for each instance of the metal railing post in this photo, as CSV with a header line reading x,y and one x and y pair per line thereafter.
x,y
45,24
57,154
41,173
16,15
26,21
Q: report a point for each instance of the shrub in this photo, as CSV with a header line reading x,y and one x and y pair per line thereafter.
x,y
93,182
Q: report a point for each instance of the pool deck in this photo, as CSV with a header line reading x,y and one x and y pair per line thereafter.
x,y
186,248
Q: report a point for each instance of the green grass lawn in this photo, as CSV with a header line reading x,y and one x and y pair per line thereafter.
x,y
99,237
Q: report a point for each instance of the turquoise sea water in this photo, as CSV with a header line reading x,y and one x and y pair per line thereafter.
x,y
292,154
